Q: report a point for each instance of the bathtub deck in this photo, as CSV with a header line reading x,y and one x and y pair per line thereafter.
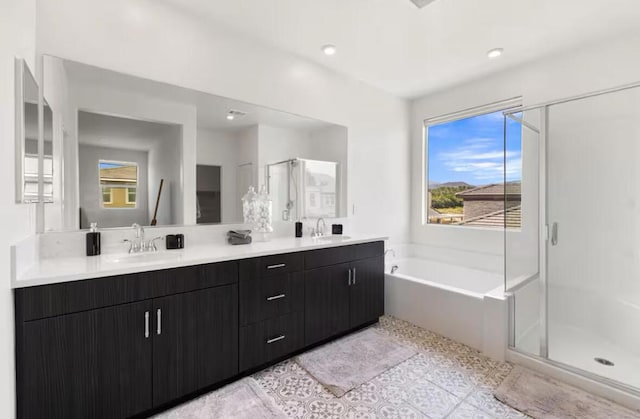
x,y
445,379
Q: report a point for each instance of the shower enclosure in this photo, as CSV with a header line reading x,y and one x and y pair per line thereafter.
x,y
572,271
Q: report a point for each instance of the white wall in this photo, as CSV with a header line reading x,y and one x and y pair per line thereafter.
x,y
164,43
611,63
162,165
17,38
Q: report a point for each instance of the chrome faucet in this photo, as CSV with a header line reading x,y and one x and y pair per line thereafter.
x,y
393,252
138,244
317,232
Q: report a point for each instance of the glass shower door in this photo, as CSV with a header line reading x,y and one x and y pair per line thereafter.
x,y
592,297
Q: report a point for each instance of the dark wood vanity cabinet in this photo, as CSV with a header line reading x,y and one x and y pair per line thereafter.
x,y
76,359
195,341
344,296
93,364
128,345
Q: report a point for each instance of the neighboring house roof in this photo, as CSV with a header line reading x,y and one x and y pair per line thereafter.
x,y
434,213
512,216
122,174
321,182
493,191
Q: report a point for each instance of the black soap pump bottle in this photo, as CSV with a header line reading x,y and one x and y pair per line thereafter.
x,y
298,229
93,240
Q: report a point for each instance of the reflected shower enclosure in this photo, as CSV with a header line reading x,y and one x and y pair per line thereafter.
x,y
303,188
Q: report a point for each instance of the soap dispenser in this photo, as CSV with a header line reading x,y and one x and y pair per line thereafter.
x,y
93,240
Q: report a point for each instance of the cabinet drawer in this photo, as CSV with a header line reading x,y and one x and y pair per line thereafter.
x,y
70,297
270,266
270,297
368,250
326,257
271,339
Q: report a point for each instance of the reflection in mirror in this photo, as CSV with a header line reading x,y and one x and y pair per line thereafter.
x,y
302,188
125,136
121,163
208,194
26,134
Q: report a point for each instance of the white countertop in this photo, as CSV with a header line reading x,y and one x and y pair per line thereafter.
x,y
56,270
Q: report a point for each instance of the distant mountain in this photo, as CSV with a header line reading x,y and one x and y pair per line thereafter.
x,y
434,185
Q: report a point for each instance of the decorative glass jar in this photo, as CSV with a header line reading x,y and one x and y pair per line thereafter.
x,y
264,213
249,206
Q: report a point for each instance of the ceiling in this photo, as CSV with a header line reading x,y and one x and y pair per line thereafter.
x,y
123,133
393,45
211,110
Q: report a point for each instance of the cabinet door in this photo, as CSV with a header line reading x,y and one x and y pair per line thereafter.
x,y
195,341
93,364
367,291
326,302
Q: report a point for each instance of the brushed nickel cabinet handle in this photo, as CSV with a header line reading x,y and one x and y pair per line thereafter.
x,y
146,324
159,322
276,297
275,339
279,265
349,276
354,276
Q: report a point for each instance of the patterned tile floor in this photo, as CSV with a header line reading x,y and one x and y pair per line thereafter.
x,y
446,379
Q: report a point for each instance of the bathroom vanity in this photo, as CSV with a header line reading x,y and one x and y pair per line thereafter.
x,y
115,346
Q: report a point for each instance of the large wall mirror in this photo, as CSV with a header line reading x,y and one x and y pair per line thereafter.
x,y
139,151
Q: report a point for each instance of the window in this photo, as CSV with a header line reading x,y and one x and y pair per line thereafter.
x,y
118,184
467,184
107,196
131,196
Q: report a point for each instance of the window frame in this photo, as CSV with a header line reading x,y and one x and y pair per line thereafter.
x,y
505,106
135,192
110,201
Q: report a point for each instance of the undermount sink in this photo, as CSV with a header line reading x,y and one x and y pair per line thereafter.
x,y
335,238
146,257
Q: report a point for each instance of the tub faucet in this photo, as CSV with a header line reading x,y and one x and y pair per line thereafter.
x,y
393,252
394,268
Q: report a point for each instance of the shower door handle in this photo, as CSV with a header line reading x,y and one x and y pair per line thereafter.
x,y
554,234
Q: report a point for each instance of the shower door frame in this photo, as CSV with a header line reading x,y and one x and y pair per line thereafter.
x,y
543,243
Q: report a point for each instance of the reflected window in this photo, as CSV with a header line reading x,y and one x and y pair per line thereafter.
x,y
118,184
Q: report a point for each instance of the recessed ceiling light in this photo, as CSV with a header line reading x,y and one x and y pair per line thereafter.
x,y
329,49
235,114
495,53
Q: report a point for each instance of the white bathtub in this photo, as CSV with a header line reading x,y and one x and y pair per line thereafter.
x,y
464,304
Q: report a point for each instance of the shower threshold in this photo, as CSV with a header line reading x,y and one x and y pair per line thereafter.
x,y
580,348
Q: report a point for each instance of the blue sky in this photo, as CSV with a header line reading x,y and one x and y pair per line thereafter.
x,y
471,150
